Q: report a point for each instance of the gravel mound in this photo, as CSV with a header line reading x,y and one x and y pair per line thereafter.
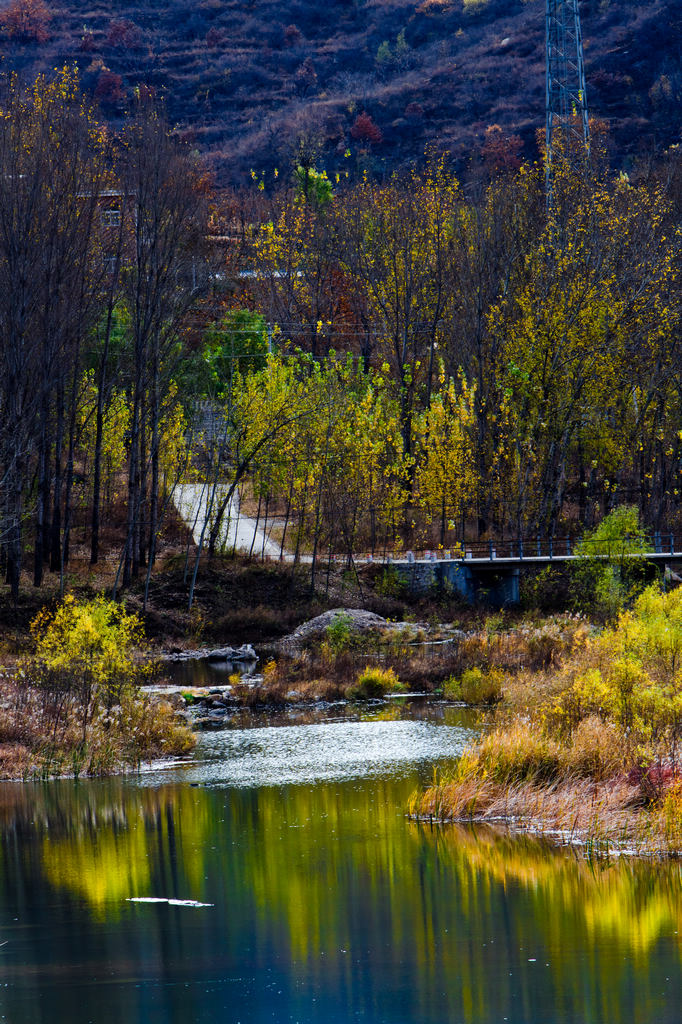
x,y
360,622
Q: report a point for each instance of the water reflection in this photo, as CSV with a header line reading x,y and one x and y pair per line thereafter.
x,y
201,672
328,906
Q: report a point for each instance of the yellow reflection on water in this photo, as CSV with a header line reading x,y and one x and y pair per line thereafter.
x,y
337,867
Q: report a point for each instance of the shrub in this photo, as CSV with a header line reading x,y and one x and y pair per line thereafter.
x,y
80,692
305,78
365,130
375,682
292,36
391,583
629,675
339,633
501,153
109,88
85,651
605,577
475,686
124,35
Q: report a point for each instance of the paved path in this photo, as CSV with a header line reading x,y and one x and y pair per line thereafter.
x,y
236,531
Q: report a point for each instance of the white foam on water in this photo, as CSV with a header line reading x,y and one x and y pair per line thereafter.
x,y
168,900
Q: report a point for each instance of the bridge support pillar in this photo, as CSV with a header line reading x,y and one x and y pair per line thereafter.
x,y
493,584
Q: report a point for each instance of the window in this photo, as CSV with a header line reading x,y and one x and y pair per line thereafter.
x,y
111,218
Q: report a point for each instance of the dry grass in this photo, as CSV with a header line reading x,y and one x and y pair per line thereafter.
x,y
528,646
33,744
280,692
586,748
598,816
304,679
475,670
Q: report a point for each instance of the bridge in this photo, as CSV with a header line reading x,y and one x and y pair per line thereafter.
x,y
490,571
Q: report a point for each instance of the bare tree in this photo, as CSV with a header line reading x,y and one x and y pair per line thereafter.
x,y
163,276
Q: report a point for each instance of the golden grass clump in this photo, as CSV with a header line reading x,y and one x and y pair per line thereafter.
x,y
519,753
596,750
666,819
475,686
375,682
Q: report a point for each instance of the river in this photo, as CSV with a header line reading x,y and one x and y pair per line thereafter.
x,y
299,892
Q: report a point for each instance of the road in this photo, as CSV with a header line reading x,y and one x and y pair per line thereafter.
x,y
237,531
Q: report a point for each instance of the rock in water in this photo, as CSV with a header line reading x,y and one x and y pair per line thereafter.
x,y
243,653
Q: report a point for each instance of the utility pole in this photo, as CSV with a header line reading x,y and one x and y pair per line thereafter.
x,y
567,128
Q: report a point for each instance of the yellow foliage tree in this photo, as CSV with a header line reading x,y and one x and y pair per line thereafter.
x,y
446,480
83,655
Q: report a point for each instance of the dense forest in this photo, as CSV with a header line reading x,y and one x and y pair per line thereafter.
x,y
254,83
376,364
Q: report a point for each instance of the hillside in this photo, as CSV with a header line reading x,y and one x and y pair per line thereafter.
x,y
255,81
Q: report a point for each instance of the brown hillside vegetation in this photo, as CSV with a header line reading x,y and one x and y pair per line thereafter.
x,y
257,82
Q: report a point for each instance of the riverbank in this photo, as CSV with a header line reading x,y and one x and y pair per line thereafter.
x,y
588,751
75,705
141,729
352,654
237,600
342,655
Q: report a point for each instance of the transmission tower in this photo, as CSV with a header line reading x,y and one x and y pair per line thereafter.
x,y
567,125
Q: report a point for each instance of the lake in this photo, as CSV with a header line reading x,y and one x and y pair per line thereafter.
x,y
322,903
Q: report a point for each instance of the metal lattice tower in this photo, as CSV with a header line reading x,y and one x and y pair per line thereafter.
x,y
567,124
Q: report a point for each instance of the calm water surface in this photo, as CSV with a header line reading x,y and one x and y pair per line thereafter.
x,y
326,905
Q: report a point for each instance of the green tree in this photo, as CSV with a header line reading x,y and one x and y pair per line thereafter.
x,y
605,574
237,344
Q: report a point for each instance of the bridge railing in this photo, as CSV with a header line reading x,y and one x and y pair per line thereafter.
x,y
525,547
533,548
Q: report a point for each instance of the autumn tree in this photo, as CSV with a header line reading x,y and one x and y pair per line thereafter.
x,y
446,464
27,20
395,245
599,307
297,265
365,129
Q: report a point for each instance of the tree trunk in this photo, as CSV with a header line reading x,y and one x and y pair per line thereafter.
x,y
56,534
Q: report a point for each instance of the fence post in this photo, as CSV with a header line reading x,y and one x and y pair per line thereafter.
x,y
672,544
521,549
551,552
